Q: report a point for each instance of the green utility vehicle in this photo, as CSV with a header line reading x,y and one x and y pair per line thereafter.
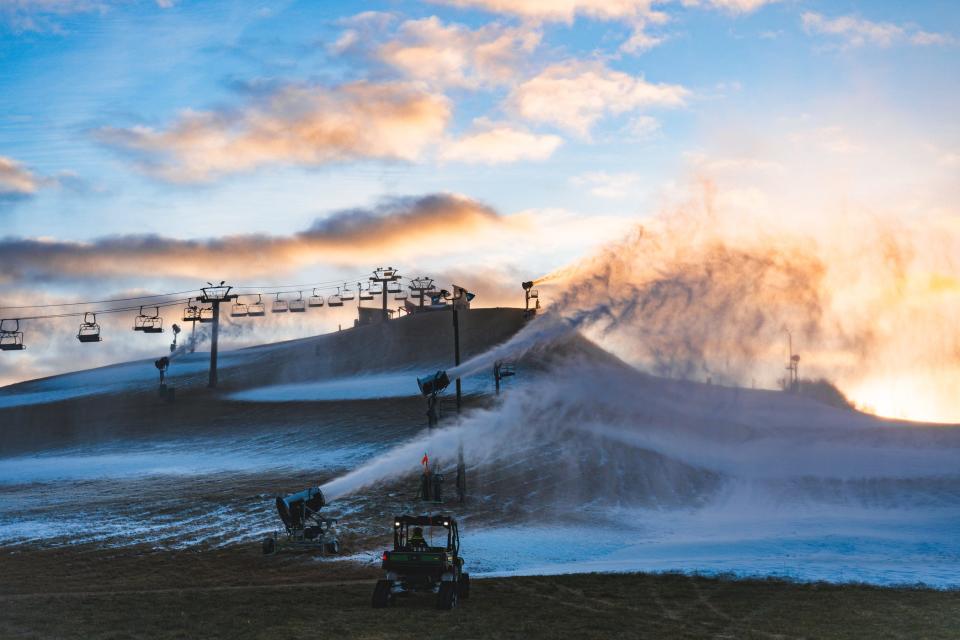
x,y
423,561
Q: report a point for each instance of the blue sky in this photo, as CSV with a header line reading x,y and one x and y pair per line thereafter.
x,y
554,127
136,63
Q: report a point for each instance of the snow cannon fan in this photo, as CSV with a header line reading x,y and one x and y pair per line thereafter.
x,y
433,383
296,508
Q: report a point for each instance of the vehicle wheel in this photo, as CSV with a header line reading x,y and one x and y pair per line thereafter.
x,y
447,596
269,545
381,594
464,585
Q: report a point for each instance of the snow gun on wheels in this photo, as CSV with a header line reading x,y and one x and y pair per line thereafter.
x,y
416,565
303,526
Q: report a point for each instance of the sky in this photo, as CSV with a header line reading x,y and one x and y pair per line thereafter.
x,y
153,145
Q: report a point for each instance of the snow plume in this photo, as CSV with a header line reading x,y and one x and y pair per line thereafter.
x,y
681,301
707,292
610,433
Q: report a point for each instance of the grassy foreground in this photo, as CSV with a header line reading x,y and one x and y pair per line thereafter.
x,y
572,606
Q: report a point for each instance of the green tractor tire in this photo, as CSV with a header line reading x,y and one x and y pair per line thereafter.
x,y
381,594
447,596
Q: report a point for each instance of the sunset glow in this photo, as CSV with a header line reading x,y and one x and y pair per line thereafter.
x,y
791,166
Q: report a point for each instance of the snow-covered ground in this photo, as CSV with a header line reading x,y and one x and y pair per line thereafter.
x,y
394,384
884,547
106,380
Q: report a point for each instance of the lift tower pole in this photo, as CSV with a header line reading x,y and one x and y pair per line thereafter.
x,y
214,295
420,286
383,275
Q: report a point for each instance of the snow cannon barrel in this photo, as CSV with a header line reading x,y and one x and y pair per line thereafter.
x,y
527,285
295,507
433,383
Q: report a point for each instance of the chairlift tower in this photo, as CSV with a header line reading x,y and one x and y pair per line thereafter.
x,y
214,295
793,366
421,286
384,275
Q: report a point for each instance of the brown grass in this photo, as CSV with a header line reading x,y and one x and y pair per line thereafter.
x,y
89,593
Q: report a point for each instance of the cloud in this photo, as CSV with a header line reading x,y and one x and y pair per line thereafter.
x,y
643,127
493,143
41,15
560,10
399,226
731,6
16,181
854,31
609,185
453,55
302,125
574,95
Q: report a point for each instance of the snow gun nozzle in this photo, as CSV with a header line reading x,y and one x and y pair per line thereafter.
x,y
433,383
527,285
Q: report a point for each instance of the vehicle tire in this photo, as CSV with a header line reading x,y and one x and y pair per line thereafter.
x,y
464,586
447,596
381,594
269,545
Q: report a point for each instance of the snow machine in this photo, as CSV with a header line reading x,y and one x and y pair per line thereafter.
x,y
433,383
303,526
417,565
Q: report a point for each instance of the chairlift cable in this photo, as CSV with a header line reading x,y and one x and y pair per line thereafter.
x,y
89,302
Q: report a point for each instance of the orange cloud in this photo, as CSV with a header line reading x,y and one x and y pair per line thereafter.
x,y
494,143
305,125
399,227
574,95
439,54
16,181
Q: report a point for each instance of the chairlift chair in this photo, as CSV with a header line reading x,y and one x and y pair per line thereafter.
x,y
239,310
400,295
335,300
11,338
191,313
149,324
206,315
279,305
393,287
316,300
257,309
299,305
347,294
89,329
365,294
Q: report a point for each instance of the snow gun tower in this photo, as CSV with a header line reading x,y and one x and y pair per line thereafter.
x,y
165,392
529,293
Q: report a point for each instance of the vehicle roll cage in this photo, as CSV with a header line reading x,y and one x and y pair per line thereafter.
x,y
402,524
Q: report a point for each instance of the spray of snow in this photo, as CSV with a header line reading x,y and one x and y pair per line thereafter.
x,y
698,435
